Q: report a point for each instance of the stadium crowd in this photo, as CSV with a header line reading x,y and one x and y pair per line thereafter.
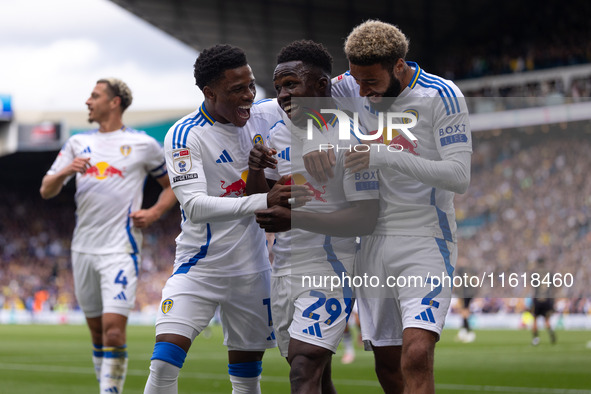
x,y
529,197
35,266
518,47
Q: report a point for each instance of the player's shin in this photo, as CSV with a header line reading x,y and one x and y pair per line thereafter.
x,y
246,377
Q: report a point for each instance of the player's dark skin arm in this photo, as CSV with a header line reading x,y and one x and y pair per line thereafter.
x,y
358,219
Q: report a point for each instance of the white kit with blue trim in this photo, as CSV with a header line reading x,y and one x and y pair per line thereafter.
x,y
111,188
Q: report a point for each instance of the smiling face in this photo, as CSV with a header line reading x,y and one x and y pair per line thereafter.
x,y
231,97
376,82
296,79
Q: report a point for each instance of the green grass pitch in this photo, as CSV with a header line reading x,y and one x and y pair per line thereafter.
x,y
57,359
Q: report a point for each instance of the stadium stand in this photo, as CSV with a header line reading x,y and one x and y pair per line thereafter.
x,y
529,193
529,196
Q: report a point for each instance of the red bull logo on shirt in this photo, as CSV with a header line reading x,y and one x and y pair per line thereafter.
x,y
402,144
317,117
235,188
103,170
299,179
398,140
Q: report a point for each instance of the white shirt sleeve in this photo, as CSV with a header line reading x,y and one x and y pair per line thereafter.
x,y
451,173
199,207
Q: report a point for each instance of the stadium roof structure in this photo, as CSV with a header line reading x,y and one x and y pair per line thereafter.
x,y
436,29
263,27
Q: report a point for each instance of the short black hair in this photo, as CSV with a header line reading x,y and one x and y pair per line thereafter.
x,y
308,52
213,61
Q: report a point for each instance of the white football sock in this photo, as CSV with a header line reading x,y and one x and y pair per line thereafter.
x,y
163,378
242,385
113,370
97,360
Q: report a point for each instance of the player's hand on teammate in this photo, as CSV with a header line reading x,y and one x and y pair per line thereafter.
x,y
357,161
287,195
319,164
275,219
261,157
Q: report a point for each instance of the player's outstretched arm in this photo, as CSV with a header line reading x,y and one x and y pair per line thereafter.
x,y
166,200
275,219
451,173
200,207
288,195
52,184
358,219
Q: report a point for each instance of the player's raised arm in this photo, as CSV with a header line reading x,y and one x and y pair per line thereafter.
x,y
260,157
63,168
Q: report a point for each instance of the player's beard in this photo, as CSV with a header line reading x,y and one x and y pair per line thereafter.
x,y
389,96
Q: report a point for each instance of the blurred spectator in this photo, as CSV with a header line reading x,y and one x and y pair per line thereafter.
x,y
529,196
35,271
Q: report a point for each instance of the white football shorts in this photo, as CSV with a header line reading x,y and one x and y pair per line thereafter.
x,y
105,283
189,302
309,312
411,286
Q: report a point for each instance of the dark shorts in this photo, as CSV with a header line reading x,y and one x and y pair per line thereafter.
x,y
466,302
543,307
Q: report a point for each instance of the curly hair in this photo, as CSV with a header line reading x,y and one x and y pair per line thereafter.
x,y
308,52
213,61
374,42
118,88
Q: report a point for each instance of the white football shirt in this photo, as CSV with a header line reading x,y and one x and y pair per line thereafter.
x,y
208,159
407,206
299,251
111,188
